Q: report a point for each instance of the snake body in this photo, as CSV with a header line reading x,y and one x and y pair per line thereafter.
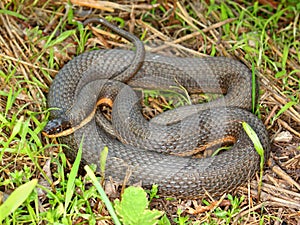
x,y
148,154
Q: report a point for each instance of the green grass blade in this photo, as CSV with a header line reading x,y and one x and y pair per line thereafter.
x,y
64,35
72,177
254,138
103,195
11,13
16,129
283,109
258,147
103,157
49,39
16,198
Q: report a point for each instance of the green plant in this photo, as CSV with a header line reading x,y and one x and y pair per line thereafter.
x,y
19,196
103,195
227,215
153,192
258,147
181,220
44,36
133,208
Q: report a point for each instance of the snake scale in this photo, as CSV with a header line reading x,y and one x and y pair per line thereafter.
x,y
150,150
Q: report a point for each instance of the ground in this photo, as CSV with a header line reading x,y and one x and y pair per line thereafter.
x,y
39,37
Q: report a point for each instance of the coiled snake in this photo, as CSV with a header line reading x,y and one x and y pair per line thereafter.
x,y
151,150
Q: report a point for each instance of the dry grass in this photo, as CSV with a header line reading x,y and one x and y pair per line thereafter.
x,y
33,49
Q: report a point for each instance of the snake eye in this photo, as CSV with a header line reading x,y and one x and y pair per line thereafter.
x,y
58,130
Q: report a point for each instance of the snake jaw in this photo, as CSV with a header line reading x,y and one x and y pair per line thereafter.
x,y
57,128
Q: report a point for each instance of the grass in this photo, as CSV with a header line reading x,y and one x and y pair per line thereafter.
x,y
37,38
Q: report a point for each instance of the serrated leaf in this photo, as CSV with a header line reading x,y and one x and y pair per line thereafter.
x,y
133,201
133,209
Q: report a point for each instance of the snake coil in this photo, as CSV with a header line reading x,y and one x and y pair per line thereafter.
x,y
152,148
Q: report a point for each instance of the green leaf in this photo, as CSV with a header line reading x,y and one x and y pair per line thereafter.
x,y
103,195
164,220
11,13
16,129
103,158
16,198
258,147
153,192
224,16
221,214
72,177
117,19
254,138
64,35
280,74
133,208
285,55
283,109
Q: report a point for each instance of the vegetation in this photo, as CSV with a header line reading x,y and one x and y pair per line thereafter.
x,y
38,37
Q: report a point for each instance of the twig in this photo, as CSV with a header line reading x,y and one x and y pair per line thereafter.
x,y
286,126
276,169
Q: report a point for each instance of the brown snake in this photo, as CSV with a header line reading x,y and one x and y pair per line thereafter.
x,y
151,148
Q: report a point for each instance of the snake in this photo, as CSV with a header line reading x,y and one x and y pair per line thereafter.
x,y
154,151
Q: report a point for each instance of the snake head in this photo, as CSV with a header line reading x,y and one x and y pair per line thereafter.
x,y
57,128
